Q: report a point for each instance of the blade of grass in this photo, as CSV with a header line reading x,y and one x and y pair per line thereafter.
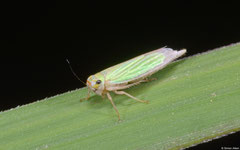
x,y
194,100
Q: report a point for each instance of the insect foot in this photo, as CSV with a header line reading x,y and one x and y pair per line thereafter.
x,y
145,101
84,99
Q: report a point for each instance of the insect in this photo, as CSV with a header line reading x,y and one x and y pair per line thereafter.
x,y
130,73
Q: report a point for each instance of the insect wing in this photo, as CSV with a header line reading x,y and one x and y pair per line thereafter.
x,y
141,66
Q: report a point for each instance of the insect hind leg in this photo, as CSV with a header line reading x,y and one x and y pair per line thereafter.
x,y
148,79
125,93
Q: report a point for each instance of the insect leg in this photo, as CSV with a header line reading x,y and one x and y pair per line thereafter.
x,y
129,85
124,93
124,86
148,80
86,98
110,99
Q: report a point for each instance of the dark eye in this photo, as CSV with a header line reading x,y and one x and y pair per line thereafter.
x,y
98,81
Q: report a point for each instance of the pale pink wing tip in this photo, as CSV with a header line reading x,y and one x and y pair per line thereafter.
x,y
172,53
181,52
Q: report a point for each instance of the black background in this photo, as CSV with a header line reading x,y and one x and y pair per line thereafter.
x,y
38,36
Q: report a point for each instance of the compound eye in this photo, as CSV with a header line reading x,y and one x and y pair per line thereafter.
x,y
98,81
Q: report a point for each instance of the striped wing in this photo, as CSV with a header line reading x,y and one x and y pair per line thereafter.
x,y
141,66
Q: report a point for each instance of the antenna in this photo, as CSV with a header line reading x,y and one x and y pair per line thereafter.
x,y
74,72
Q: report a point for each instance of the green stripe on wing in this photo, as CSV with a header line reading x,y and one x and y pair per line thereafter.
x,y
133,68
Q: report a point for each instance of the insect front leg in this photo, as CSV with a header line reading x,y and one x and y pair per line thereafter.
x,y
125,93
86,98
114,106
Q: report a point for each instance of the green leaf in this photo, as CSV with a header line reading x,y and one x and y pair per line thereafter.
x,y
194,99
